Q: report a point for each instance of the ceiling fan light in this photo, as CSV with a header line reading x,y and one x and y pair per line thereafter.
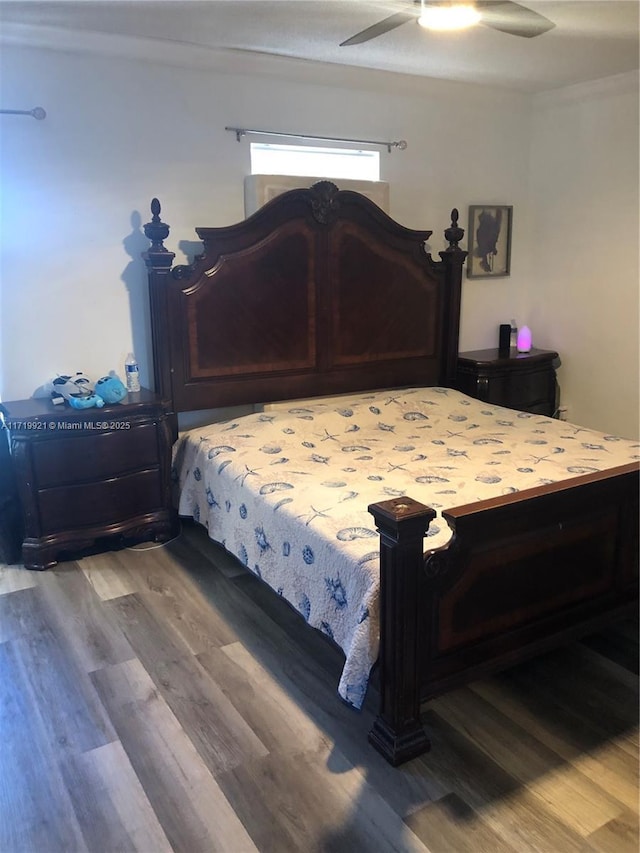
x,y
454,17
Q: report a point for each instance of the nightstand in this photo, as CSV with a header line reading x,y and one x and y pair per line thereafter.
x,y
524,381
92,478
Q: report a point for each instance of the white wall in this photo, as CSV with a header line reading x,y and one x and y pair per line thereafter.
x,y
122,129
77,186
584,293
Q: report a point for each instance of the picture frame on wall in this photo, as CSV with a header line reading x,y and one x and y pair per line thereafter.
x,y
490,227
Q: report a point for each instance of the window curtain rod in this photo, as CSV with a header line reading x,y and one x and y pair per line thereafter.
x,y
245,131
36,112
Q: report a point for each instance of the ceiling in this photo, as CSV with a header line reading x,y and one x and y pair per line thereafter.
x,y
592,39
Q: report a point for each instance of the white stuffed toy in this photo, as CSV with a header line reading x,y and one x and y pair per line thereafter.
x,y
77,389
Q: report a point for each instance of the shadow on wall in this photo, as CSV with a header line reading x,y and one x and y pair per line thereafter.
x,y
191,248
135,278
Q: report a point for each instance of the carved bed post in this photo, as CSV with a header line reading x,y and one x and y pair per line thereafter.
x,y
158,260
452,260
397,732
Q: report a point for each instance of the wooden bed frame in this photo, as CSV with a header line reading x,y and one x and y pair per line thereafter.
x,y
319,293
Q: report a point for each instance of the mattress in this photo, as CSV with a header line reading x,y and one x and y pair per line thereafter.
x,y
286,491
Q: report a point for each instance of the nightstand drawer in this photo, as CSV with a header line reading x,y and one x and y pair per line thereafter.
x,y
521,389
101,503
97,456
523,381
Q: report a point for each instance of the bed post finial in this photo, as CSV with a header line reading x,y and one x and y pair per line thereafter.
x,y
454,233
156,230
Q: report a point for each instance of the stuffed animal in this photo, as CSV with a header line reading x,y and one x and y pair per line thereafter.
x,y
111,389
67,386
86,402
79,392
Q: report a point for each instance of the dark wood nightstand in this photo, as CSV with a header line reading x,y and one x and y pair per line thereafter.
x,y
524,381
92,477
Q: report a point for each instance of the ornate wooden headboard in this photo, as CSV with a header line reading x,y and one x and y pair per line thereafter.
x,y
319,292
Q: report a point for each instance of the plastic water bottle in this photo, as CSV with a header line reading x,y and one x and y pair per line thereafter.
x,y
132,373
513,341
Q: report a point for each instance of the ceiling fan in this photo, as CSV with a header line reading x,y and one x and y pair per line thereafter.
x,y
503,15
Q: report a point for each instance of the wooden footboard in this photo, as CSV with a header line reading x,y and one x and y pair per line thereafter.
x,y
523,573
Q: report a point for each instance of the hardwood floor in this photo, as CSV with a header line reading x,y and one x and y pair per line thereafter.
x,y
161,698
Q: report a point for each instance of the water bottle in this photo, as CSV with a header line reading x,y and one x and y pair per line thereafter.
x,y
513,342
132,373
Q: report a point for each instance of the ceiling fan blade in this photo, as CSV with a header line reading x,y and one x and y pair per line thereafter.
x,y
380,28
512,18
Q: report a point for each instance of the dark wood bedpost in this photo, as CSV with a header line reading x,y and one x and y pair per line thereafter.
x,y
397,732
453,259
159,260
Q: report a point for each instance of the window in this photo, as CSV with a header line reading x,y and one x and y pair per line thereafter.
x,y
351,163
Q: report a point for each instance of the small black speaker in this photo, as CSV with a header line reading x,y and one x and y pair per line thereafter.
x,y
504,339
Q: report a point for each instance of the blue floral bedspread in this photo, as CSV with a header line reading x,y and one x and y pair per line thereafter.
x,y
286,491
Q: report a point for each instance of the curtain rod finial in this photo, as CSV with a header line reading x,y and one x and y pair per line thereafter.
x,y
36,112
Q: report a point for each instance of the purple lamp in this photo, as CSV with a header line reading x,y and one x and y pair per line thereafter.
x,y
524,339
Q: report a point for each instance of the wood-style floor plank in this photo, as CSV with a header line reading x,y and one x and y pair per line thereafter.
x,y
35,809
108,574
59,687
76,613
222,736
195,535
110,804
176,599
608,693
70,709
616,646
189,804
296,801
292,684
608,684
565,792
619,835
21,614
505,805
450,824
272,714
568,735
14,578
162,698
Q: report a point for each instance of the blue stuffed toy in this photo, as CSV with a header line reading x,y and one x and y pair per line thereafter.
x,y
111,389
86,401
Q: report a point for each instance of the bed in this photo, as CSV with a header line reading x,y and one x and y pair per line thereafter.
x,y
506,535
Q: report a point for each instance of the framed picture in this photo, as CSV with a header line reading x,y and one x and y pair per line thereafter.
x,y
489,240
